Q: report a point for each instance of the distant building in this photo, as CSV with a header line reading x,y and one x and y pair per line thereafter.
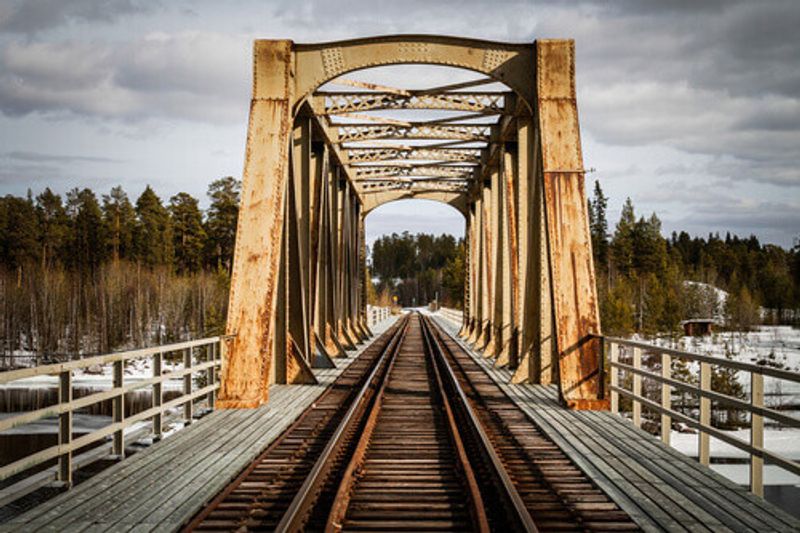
x,y
698,327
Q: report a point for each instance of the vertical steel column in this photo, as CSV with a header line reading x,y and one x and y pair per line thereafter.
x,y
507,352
571,264
477,270
467,294
256,263
497,223
486,271
292,344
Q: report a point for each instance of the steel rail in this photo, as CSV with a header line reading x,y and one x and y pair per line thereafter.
x,y
298,508
507,485
477,507
342,499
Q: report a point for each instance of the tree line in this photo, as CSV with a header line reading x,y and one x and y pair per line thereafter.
x,y
86,274
418,269
648,283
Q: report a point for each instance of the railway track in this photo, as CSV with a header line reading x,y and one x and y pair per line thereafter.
x,y
422,441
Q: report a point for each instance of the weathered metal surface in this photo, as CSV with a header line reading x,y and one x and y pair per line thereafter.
x,y
341,103
298,292
507,355
571,264
254,281
503,62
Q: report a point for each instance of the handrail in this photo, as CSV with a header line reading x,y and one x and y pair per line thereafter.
x,y
700,358
212,348
755,407
376,315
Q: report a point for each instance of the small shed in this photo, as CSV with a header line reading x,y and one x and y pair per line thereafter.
x,y
698,327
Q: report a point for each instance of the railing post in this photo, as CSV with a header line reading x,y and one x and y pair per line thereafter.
x,y
187,386
703,444
211,374
666,398
637,388
613,353
65,428
158,395
756,434
118,409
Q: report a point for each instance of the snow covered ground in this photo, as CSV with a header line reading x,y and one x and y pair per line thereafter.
x,y
101,378
785,442
777,346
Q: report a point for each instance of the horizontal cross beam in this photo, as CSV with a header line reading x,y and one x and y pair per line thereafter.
x,y
411,186
440,171
359,132
376,154
476,102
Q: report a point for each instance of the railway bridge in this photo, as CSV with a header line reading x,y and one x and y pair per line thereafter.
x,y
316,411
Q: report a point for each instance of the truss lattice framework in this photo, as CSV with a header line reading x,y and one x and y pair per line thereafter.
x,y
441,171
343,103
472,133
377,154
411,186
299,280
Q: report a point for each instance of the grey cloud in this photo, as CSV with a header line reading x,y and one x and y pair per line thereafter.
x,y
41,157
30,16
192,76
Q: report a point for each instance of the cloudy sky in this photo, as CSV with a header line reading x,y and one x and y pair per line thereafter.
x,y
690,108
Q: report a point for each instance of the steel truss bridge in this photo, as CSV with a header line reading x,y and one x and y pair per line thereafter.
x,y
315,411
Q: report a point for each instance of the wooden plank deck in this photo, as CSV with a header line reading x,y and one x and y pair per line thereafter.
x,y
662,489
164,486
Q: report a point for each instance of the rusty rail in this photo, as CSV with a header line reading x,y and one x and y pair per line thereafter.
x,y
292,520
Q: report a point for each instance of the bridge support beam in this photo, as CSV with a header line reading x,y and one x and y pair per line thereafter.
x,y
577,318
255,281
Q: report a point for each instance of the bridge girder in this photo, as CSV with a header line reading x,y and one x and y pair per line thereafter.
x,y
298,287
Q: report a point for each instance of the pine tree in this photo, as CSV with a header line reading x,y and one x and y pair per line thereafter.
x,y
223,215
153,232
188,233
119,218
599,226
53,226
87,238
622,249
19,232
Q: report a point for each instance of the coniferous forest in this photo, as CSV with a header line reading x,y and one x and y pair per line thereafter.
x,y
88,273
648,283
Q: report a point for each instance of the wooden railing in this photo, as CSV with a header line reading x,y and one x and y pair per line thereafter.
x,y
199,359
376,314
703,391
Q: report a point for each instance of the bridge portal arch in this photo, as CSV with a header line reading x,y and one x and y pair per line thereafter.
x,y
298,287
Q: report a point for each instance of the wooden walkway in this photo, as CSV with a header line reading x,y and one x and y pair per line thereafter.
x,y
661,489
162,487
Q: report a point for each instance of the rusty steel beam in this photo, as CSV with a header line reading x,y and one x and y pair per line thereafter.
x,y
347,103
256,266
577,318
376,154
440,171
357,133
